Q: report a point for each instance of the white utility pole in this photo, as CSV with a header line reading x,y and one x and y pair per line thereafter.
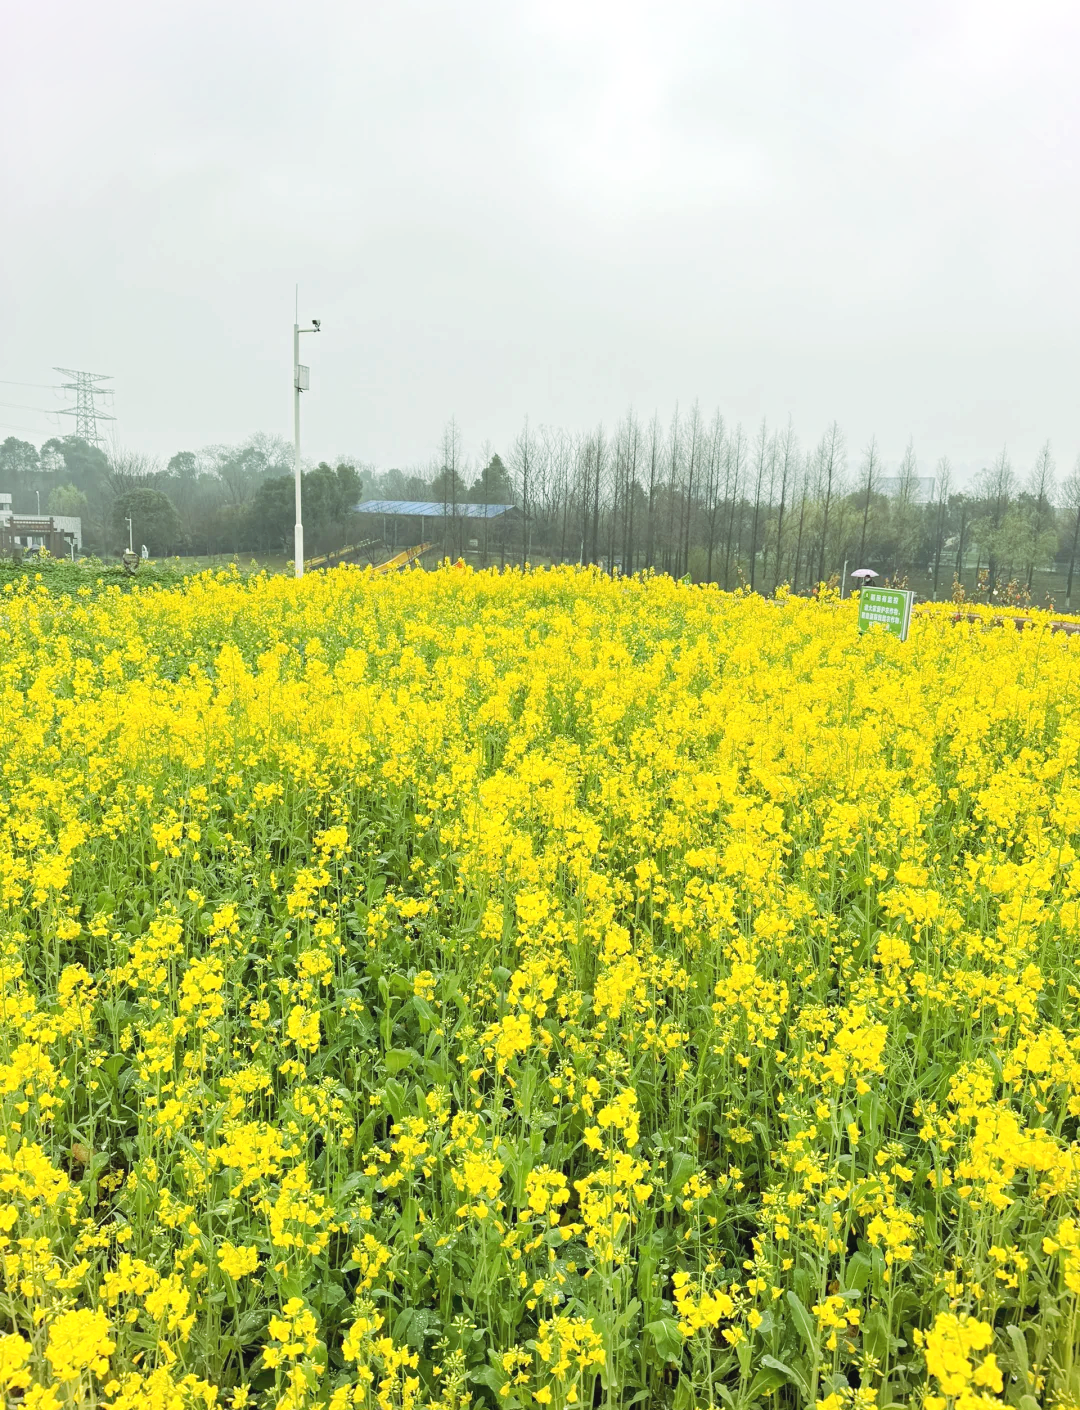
x,y
301,383
130,548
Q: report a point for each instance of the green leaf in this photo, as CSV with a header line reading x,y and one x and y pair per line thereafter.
x,y
1020,1351
402,1323
803,1322
682,1167
394,1098
876,1336
796,1377
424,1011
423,1324
767,1323
328,1296
488,1376
857,1273
437,1073
684,1395
666,1337
398,1058
745,1352
767,1380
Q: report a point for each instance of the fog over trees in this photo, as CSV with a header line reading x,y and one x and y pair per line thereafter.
x,y
693,495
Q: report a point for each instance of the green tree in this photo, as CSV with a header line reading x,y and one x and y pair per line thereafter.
x,y
328,497
492,485
17,458
320,498
350,488
448,487
272,513
184,465
154,520
242,469
85,465
68,500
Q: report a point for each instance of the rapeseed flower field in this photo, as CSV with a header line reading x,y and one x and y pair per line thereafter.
x,y
534,990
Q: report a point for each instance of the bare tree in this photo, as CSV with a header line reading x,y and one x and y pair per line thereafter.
x,y
804,493
1070,494
654,471
633,450
734,466
1070,501
694,437
523,467
600,460
868,486
789,460
944,479
963,507
1041,538
830,455
905,510
555,455
674,463
623,466
584,471
998,488
763,453
717,453
127,470
449,477
130,469
844,523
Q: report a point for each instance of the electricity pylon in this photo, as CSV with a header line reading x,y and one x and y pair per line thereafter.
x,y
86,389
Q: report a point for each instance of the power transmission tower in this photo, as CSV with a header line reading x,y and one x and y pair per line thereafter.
x,y
86,389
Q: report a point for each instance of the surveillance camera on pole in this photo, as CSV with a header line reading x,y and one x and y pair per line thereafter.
x,y
301,383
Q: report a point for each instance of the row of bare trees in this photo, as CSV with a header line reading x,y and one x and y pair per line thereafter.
x,y
704,498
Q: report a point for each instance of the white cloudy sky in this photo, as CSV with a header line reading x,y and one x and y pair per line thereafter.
x,y
558,208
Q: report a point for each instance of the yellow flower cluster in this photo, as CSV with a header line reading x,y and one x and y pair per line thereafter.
x,y
534,989
964,1379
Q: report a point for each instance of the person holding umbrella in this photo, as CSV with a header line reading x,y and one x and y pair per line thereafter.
x,y
861,575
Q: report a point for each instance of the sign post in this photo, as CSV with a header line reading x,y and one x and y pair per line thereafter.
x,y
887,607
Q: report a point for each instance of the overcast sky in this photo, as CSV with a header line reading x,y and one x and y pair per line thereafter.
x,y
845,209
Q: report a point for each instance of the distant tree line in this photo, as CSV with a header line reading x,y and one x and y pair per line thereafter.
x,y
224,499
705,499
690,497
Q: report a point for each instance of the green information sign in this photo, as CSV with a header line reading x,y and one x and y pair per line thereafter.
x,y
888,607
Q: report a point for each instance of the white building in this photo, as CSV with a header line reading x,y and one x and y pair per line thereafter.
x,y
58,533
70,525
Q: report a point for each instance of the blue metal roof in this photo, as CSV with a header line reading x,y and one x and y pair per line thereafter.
x,y
432,509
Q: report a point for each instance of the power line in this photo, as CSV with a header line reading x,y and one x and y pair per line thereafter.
x,y
30,430
86,389
48,386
